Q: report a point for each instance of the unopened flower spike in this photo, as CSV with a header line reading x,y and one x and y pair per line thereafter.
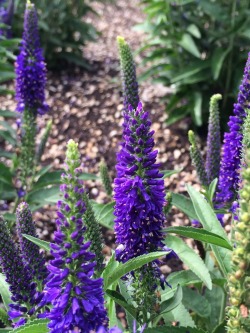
x,y
128,74
197,159
239,279
229,178
76,298
213,140
104,173
19,277
30,252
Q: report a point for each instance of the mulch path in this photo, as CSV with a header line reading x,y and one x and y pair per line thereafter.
x,y
86,106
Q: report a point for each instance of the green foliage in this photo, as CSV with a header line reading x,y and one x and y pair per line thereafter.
x,y
63,31
190,258
7,58
201,235
41,243
4,291
199,47
208,219
37,325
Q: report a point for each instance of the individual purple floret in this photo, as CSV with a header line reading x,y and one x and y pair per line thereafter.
x,y
18,276
77,299
30,67
229,178
139,190
30,251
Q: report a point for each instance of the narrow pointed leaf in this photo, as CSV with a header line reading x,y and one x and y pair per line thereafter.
x,y
131,265
190,258
200,235
41,243
210,222
185,205
119,299
5,292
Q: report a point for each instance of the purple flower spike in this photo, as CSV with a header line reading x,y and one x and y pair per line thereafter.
x,y
229,178
139,190
76,298
30,251
18,276
30,68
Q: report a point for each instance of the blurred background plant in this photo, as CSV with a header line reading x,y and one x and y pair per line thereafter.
x,y
62,29
197,47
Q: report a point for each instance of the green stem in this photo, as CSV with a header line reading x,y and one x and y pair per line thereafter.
x,y
222,308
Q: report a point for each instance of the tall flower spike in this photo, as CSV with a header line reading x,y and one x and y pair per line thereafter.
x,y
77,299
229,178
19,278
30,67
197,159
30,251
213,140
139,190
239,279
128,74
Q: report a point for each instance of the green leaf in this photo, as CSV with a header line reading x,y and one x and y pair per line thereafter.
x,y
200,235
119,299
48,178
4,330
173,302
210,222
180,314
131,265
5,174
189,45
215,298
196,302
8,137
212,188
4,318
184,204
104,214
8,114
218,58
126,292
88,176
40,197
5,292
34,326
194,30
6,154
168,173
173,329
190,71
41,243
197,113
190,258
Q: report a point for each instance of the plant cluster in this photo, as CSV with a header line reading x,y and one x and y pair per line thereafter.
x,y
197,46
75,290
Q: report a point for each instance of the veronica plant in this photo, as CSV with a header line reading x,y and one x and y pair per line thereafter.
x,y
30,90
76,298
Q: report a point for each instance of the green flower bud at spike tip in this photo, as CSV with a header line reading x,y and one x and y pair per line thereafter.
x,y
197,159
105,178
237,280
213,140
128,74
